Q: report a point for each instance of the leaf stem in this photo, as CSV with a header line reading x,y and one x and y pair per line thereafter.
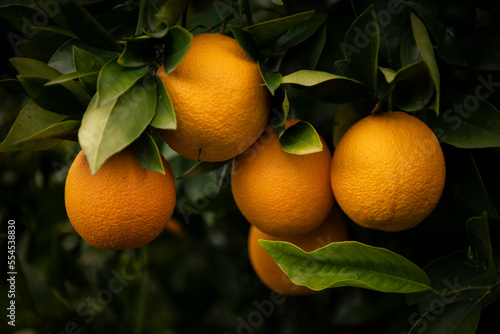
x,y
140,21
487,287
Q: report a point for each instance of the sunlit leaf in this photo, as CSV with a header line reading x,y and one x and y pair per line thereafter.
x,y
70,77
348,263
108,128
164,114
37,129
327,86
271,80
32,68
301,138
114,80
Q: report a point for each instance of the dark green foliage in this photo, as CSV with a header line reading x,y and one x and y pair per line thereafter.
x,y
83,72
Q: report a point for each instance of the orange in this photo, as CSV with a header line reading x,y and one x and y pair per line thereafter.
x,y
282,193
122,206
333,229
219,100
388,171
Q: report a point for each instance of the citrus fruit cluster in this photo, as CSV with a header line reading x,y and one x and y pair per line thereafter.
x,y
221,109
386,173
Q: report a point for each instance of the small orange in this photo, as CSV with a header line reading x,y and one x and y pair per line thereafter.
x,y
122,206
333,229
282,193
388,171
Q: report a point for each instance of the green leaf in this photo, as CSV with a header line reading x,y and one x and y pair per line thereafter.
x,y
457,279
247,42
266,31
468,188
271,80
478,233
164,114
413,88
37,129
57,30
148,154
300,32
70,77
456,318
108,128
305,55
327,86
87,62
64,58
171,11
54,98
86,27
114,80
409,52
138,52
348,263
31,68
424,44
177,43
280,109
361,48
467,122
202,168
301,138
346,115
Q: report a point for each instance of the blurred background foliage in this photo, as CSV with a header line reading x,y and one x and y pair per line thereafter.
x,y
196,277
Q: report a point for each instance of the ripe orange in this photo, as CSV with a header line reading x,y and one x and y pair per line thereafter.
x,y
388,171
282,193
333,229
219,100
123,206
